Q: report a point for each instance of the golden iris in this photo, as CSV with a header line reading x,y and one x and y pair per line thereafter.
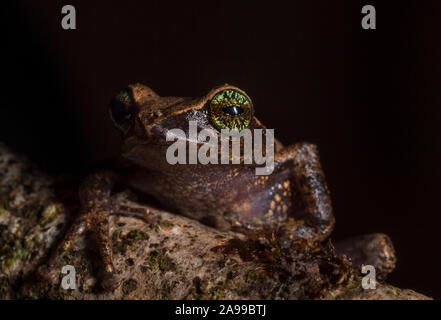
x,y
230,109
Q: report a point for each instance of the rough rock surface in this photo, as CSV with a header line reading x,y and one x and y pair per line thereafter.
x,y
171,258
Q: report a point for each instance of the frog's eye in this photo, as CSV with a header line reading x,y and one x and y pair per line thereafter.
x,y
230,109
121,110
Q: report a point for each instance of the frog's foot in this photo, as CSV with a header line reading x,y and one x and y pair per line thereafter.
x,y
95,223
97,204
96,207
373,249
48,270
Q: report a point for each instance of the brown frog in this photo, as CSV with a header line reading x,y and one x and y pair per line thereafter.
x,y
294,198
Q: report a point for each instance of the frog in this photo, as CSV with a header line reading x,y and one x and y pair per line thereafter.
x,y
294,198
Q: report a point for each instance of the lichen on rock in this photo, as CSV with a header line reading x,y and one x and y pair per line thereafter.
x,y
173,257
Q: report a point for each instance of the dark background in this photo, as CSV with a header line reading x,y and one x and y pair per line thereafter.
x,y
369,98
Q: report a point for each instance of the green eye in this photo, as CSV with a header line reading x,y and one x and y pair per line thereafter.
x,y
230,109
121,109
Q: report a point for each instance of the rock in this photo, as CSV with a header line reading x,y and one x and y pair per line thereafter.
x,y
172,258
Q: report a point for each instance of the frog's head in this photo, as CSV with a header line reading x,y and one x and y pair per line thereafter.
x,y
144,118
139,111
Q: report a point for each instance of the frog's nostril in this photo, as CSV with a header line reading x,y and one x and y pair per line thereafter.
x,y
233,110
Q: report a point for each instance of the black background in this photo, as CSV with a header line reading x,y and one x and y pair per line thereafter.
x,y
370,99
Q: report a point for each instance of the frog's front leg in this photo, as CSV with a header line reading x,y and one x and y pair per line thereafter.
x,y
96,207
312,210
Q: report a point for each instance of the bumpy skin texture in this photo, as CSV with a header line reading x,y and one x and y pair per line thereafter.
x,y
223,194
294,199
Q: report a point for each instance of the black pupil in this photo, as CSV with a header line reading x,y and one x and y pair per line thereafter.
x,y
119,111
233,110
